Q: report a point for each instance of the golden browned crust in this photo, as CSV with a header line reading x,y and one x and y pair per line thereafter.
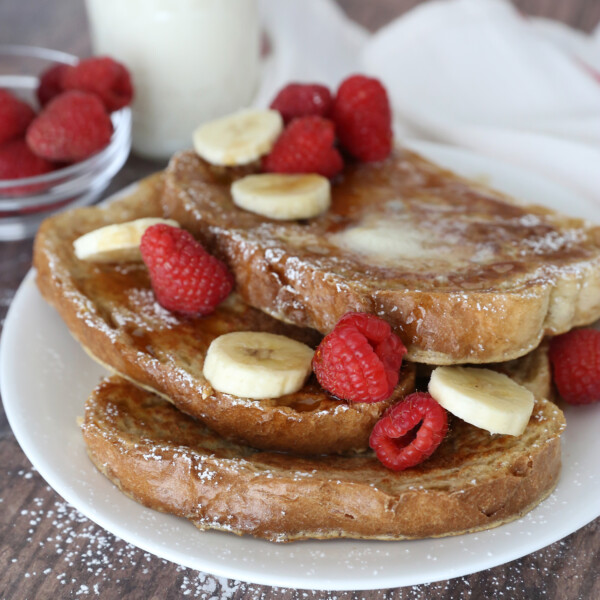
x,y
480,278
169,462
110,309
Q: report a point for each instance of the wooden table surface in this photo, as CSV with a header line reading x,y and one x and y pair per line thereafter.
x,y
48,549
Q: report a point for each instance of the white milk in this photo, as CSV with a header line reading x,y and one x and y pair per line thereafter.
x,y
191,61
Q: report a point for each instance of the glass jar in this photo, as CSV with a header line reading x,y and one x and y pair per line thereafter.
x,y
191,61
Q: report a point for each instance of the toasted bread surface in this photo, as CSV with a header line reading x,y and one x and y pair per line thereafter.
x,y
111,310
169,462
463,273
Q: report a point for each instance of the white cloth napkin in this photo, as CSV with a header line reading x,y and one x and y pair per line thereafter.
x,y
311,41
473,73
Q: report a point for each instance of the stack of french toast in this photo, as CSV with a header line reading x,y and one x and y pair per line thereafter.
x,y
470,281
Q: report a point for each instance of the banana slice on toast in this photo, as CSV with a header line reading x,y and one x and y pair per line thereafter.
x,y
283,196
238,139
117,242
482,397
257,364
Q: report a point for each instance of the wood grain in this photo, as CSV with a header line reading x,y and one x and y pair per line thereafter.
x,y
48,549
582,14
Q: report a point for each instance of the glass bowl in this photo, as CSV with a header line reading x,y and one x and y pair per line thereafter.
x,y
26,202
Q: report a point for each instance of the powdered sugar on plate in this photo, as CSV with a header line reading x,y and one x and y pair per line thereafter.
x,y
87,561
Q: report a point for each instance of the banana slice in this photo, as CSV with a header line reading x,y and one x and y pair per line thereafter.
x,y
483,397
238,139
281,196
116,243
257,365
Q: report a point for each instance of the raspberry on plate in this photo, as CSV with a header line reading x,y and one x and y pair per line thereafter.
x,y
360,359
305,146
575,358
18,161
15,116
73,126
363,119
50,84
303,100
394,439
103,76
184,276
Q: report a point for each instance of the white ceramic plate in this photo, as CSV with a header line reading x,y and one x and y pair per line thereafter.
x,y
45,378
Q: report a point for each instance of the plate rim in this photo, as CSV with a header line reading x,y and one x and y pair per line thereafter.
x,y
342,582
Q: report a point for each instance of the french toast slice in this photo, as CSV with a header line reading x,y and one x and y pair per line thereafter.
x,y
464,274
111,310
168,461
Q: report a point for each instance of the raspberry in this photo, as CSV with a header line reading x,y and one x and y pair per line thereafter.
x,y
360,359
185,277
305,146
394,440
50,84
15,116
73,126
575,358
303,100
18,161
104,77
363,119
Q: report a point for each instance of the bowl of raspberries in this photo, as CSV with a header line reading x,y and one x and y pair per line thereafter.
x,y
65,131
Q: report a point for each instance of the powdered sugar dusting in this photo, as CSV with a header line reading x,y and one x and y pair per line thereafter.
x,y
89,562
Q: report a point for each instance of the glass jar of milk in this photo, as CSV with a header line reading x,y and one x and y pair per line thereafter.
x,y
191,61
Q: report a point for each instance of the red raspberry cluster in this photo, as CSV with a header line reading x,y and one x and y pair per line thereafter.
x,y
303,100
358,120
74,121
575,358
184,276
409,432
307,145
18,161
360,359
